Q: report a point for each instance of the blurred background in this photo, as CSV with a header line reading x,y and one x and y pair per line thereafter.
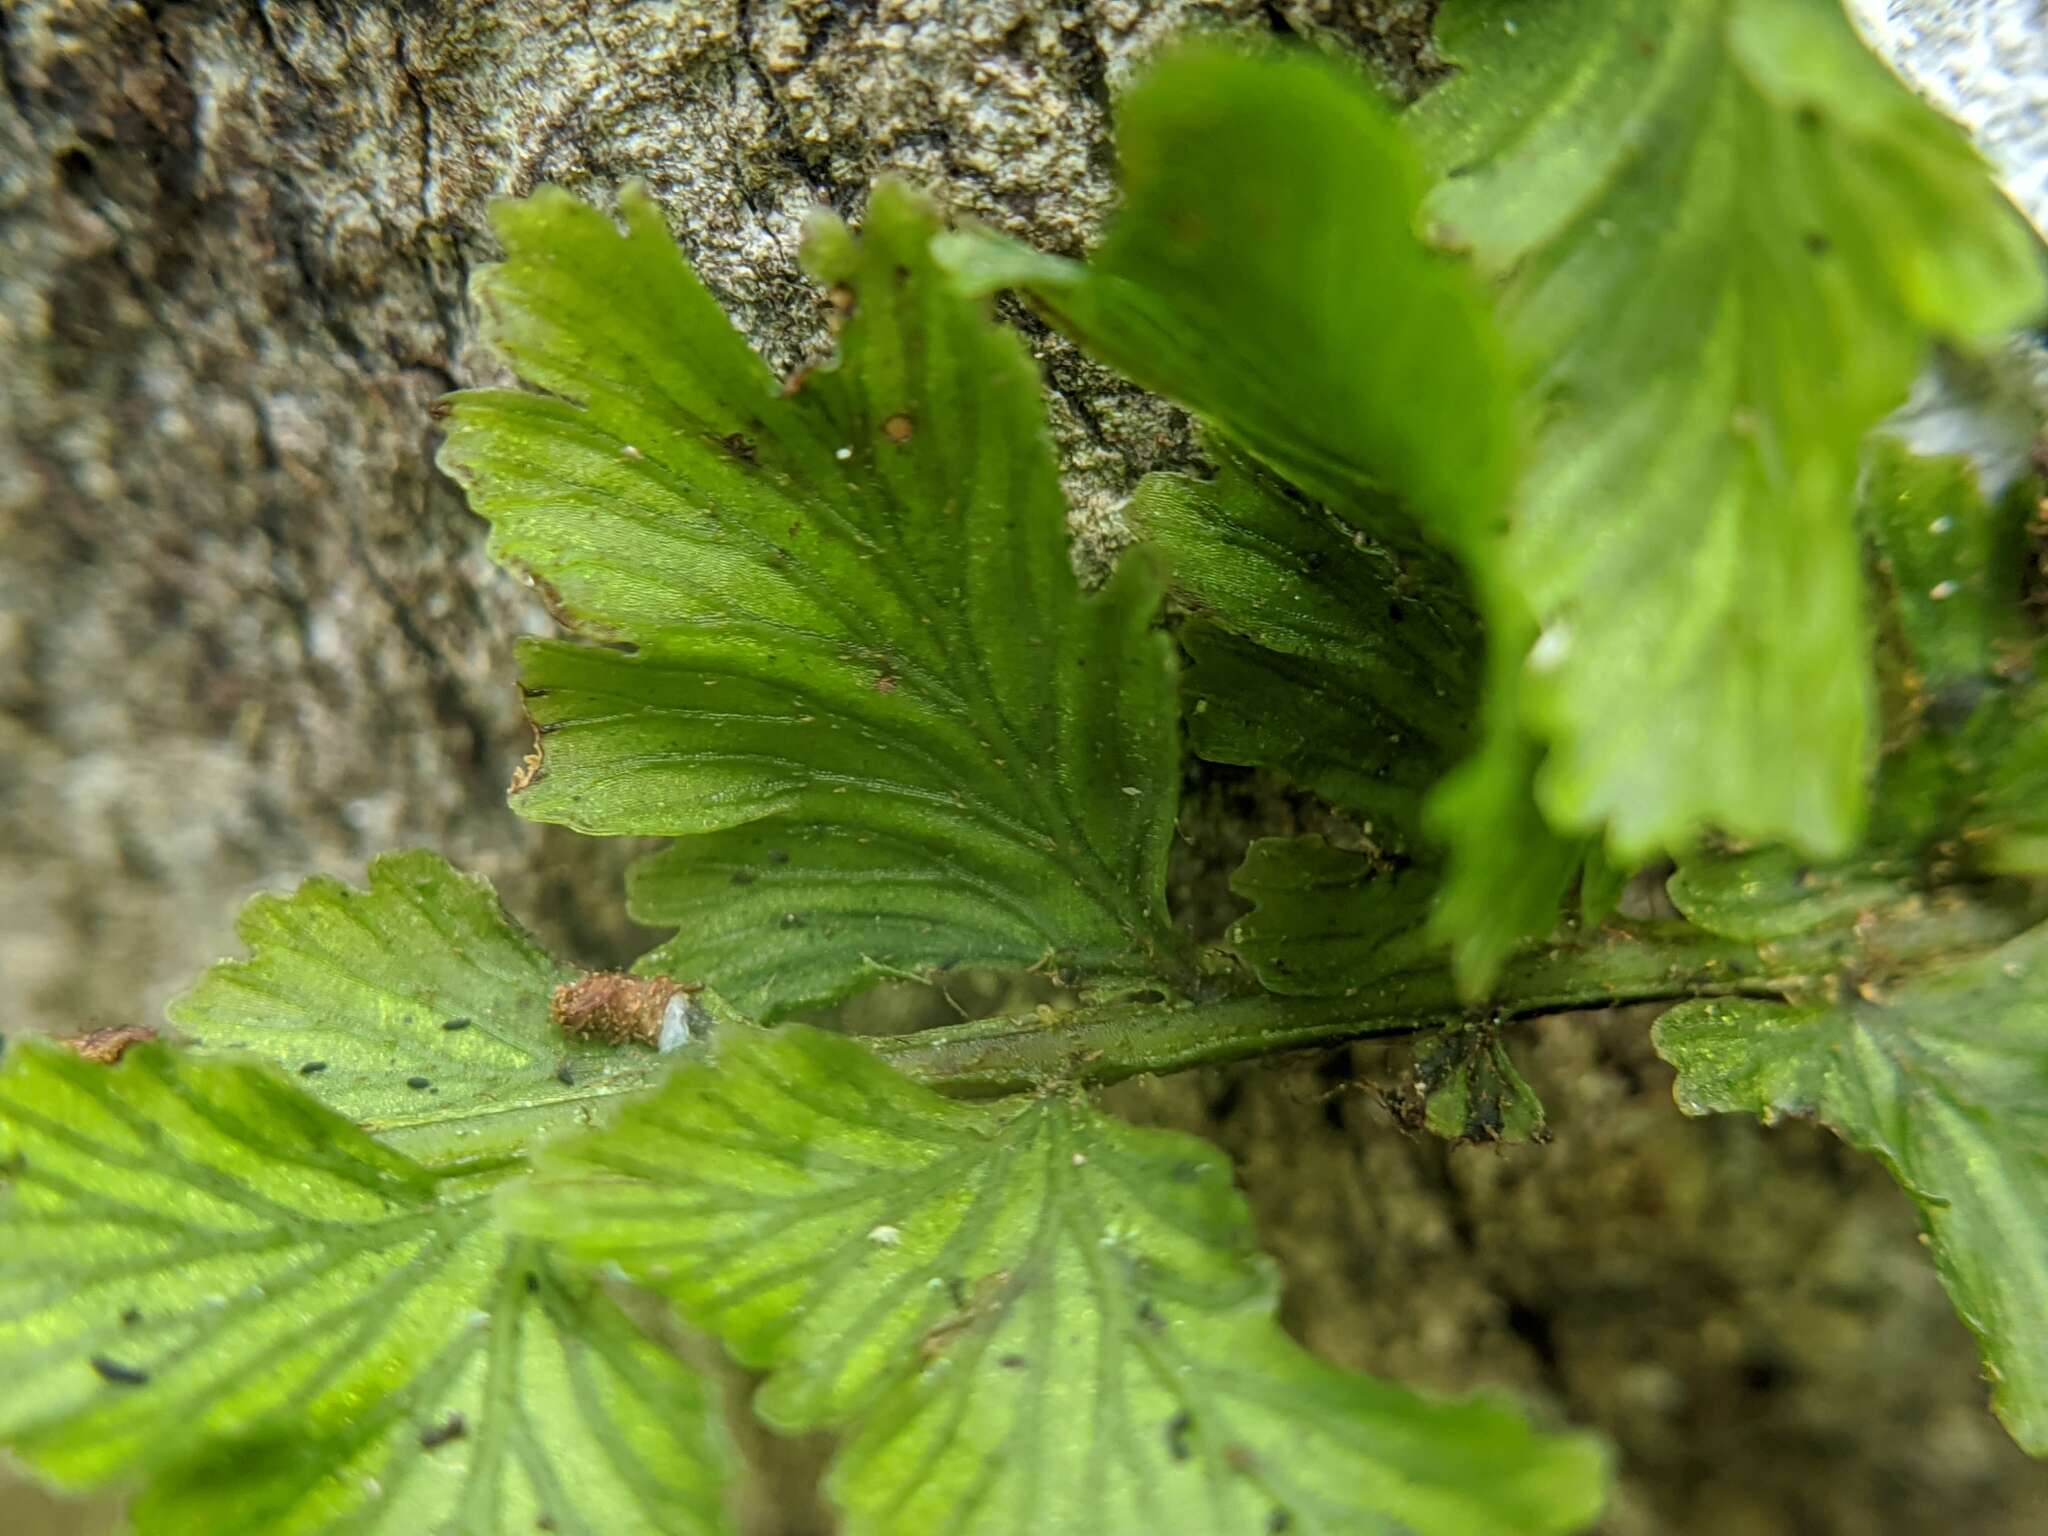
x,y
247,633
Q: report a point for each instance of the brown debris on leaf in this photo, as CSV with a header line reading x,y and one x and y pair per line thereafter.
x,y
991,1293
529,766
107,1046
615,1007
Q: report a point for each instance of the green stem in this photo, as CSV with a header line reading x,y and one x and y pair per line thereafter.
x,y
1615,965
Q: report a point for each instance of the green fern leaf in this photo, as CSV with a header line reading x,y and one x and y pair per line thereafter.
x,y
865,689
1471,1089
417,1008
1265,272
1946,1079
1725,236
209,1278
1327,923
1962,790
1033,1319
1349,666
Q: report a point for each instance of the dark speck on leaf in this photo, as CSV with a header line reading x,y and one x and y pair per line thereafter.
x,y
744,877
532,1283
312,1068
419,1084
1817,244
451,1025
1149,1316
1013,1362
777,856
454,1427
1279,1523
1763,1375
565,1075
118,1374
739,446
546,1523
1177,1429
1953,704
131,1317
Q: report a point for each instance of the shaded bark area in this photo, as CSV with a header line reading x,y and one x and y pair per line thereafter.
x,y
1746,1313
248,633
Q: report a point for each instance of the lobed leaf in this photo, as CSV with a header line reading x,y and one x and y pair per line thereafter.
x,y
1346,664
857,640
207,1277
1353,668
1033,1319
1472,1090
417,1008
1724,236
1774,893
1962,790
1946,1079
1327,923
1264,271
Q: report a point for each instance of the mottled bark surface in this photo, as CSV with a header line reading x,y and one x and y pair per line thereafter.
x,y
246,633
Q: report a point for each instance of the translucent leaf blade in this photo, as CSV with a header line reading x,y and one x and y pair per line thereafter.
x,y
213,1280
1034,1319
1962,788
415,1007
564,1417
778,933
856,623
1264,271
1725,236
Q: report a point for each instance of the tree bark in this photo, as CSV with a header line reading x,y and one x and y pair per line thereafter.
x,y
248,633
